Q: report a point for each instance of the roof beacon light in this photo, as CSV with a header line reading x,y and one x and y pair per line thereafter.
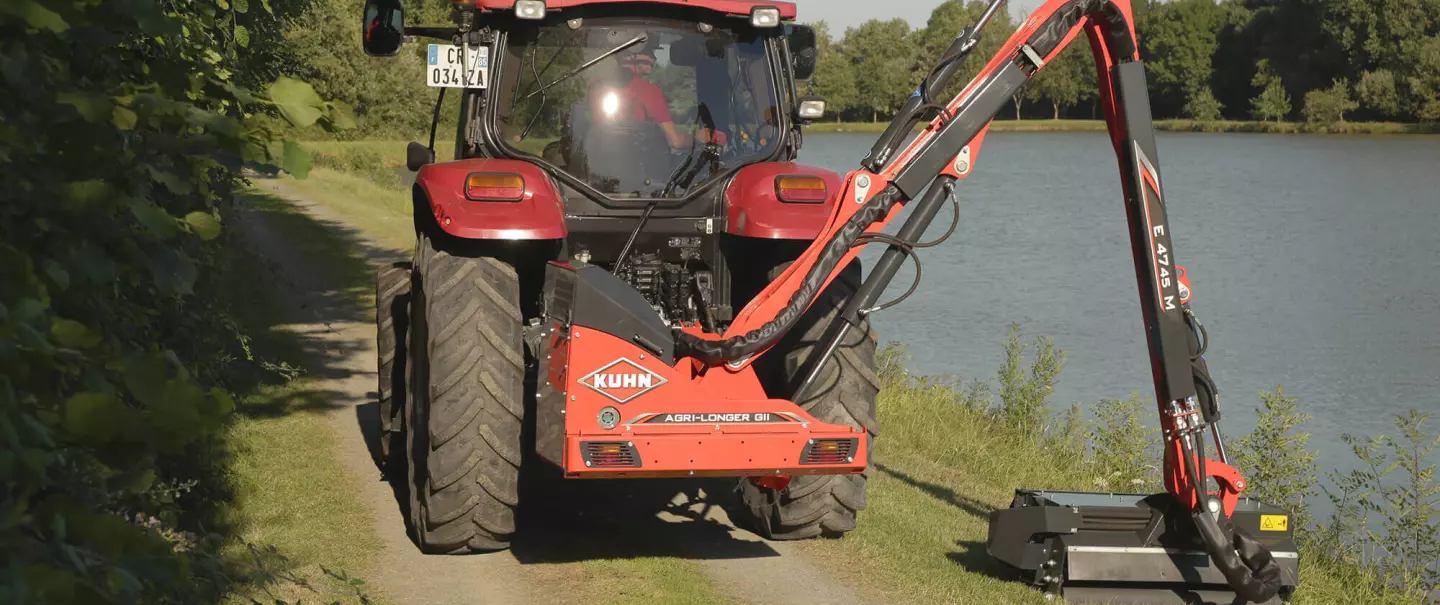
x,y
765,16
530,9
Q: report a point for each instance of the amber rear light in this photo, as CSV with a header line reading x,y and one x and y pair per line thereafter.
x,y
801,189
495,187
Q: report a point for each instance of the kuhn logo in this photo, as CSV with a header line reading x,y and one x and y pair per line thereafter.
x,y
622,380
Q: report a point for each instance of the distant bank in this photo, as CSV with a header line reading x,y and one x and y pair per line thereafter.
x,y
1166,125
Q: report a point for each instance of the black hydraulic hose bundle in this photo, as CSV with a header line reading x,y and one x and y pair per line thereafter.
x,y
717,351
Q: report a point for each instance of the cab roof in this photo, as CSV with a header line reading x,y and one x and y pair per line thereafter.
x,y
731,7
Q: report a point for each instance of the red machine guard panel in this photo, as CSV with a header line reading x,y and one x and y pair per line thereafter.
x,y
538,214
754,208
662,424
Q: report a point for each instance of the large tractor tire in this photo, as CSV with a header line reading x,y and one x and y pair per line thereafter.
x,y
392,320
820,505
463,432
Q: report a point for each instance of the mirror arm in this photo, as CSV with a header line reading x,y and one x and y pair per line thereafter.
x,y
438,33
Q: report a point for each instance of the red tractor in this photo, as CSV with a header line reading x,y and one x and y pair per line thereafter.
x,y
624,272
622,169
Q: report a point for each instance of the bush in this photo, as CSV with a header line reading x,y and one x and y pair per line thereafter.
x,y
1126,450
126,124
1328,106
1406,508
1023,398
1273,456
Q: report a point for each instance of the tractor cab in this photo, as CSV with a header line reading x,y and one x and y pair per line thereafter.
x,y
653,139
643,96
625,100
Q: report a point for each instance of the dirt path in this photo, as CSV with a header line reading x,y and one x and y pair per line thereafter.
x,y
592,521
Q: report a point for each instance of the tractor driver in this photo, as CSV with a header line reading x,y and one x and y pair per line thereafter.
x,y
637,99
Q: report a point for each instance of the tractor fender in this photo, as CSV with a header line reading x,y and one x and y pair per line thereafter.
x,y
539,213
754,209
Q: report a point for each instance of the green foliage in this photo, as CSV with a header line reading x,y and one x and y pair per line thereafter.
x,y
881,53
1406,550
1202,105
1178,41
1023,397
1126,449
1275,459
126,125
1273,103
1067,79
834,78
1328,106
946,21
387,93
1377,93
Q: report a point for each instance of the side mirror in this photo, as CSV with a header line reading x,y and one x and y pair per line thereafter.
x,y
810,108
417,156
801,39
383,28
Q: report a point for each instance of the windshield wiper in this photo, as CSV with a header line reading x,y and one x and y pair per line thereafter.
x,y
588,64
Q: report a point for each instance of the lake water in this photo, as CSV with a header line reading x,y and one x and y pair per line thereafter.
x,y
1314,261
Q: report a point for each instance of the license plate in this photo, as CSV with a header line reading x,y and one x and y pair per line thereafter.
x,y
444,69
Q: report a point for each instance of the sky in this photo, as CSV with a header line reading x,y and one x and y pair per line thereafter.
x,y
841,14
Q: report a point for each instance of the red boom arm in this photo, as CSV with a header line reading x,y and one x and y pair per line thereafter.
x,y
944,152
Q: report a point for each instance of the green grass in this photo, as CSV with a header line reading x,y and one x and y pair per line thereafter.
x,y
1004,125
289,487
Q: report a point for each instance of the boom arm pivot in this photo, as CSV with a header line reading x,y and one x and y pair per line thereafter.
x,y
943,153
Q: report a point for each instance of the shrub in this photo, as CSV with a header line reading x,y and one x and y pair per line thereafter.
x,y
126,124
1328,106
1126,450
1406,508
1274,458
1023,398
1202,105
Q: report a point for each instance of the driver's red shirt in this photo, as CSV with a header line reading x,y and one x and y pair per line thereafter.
x,y
640,100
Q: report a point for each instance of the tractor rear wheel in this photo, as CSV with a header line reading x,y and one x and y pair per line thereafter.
x,y
392,319
463,431
820,505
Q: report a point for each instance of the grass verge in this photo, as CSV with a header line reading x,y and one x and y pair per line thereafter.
x,y
365,212
948,456
289,514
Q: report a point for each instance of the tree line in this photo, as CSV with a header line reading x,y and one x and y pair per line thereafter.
x,y
1321,61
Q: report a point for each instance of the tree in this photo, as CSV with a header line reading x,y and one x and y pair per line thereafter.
x,y
1424,84
1179,40
946,22
1062,81
1273,103
1202,105
386,92
834,77
880,53
1376,91
1328,106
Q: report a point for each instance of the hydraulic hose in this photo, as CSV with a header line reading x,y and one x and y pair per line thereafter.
x,y
712,352
1246,564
